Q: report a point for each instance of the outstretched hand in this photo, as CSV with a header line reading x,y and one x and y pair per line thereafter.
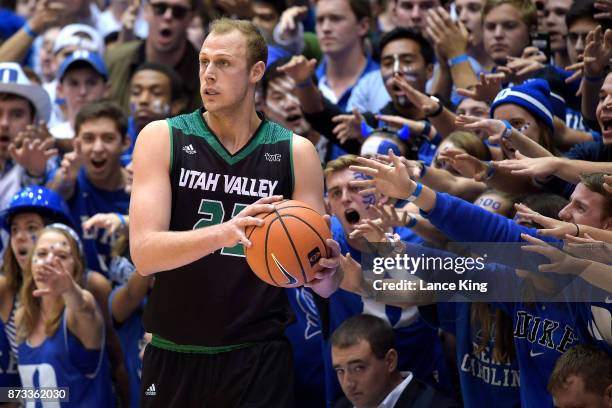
x,y
389,179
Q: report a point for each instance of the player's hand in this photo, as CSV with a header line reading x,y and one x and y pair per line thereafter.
x,y
234,229
348,126
389,179
327,280
486,90
299,68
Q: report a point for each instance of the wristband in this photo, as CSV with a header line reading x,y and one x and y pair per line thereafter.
x,y
26,27
490,171
416,193
304,84
121,218
458,60
507,130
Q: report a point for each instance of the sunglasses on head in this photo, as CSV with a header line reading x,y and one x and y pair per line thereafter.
x,y
178,12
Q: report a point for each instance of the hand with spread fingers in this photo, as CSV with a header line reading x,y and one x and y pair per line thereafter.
x,y
494,128
348,126
299,68
467,165
597,52
389,179
589,248
32,148
560,262
539,167
417,98
518,70
448,36
288,23
487,89
551,227
372,230
53,277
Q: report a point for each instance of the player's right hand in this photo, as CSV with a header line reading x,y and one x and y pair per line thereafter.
x,y
234,229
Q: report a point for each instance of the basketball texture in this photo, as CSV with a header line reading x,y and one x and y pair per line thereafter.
x,y
287,248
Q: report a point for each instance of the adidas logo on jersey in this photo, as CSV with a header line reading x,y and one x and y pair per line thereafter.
x,y
272,157
151,391
189,149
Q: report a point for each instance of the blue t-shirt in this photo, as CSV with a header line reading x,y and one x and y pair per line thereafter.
x,y
86,202
484,381
62,361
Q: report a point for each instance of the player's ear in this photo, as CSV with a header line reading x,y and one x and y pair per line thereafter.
x,y
257,71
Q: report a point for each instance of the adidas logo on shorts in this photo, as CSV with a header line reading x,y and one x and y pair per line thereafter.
x,y
151,390
189,149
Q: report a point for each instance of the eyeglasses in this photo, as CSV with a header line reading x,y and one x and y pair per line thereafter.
x,y
178,12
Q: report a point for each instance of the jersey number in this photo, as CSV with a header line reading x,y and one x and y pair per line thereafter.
x,y
213,213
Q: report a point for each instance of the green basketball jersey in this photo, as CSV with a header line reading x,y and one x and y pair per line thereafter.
x,y
217,300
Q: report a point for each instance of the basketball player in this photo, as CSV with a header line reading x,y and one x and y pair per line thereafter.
x,y
199,180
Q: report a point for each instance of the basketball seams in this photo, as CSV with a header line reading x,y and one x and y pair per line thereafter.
x,y
253,228
309,226
266,249
295,251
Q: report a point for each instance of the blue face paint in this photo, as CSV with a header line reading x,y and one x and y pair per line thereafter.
x,y
385,145
369,199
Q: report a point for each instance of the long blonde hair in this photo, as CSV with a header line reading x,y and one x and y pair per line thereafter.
x,y
29,311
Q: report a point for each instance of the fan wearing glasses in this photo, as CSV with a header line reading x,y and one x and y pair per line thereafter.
x,y
166,44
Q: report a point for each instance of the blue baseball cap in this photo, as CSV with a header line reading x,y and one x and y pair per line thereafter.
x,y
92,58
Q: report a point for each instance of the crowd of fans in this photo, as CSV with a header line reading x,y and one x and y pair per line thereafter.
x,y
464,121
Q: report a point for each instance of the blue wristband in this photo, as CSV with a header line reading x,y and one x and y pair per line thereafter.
x,y
121,218
304,84
416,193
458,60
26,27
508,130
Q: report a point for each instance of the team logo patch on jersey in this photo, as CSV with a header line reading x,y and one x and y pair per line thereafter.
x,y
272,157
189,149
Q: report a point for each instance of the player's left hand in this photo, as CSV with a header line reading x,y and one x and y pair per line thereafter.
x,y
328,279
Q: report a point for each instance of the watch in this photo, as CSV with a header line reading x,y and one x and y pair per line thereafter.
x,y
437,111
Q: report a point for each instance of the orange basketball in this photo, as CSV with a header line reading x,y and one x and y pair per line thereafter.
x,y
288,246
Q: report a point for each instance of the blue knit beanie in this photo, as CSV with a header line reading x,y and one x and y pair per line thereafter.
x,y
533,96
